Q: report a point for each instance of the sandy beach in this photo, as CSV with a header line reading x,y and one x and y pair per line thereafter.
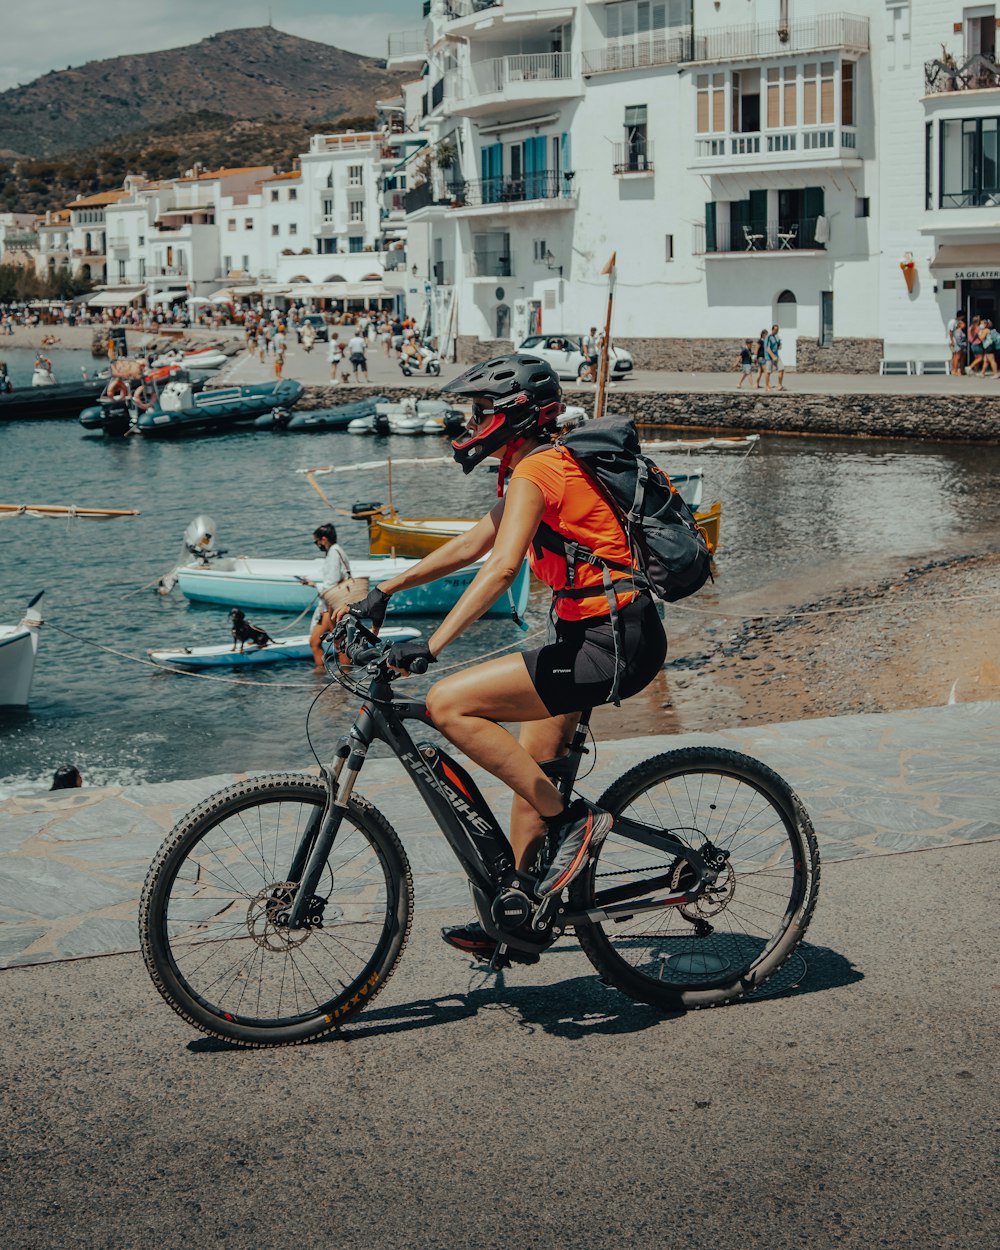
x,y
924,636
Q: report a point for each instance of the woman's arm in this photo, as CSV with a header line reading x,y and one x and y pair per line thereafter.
x,y
456,553
525,505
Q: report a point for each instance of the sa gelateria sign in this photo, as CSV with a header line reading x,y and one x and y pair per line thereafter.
x,y
972,275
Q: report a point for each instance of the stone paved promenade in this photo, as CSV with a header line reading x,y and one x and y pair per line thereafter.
x,y
72,862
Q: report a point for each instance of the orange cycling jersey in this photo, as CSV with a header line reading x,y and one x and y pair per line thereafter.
x,y
577,513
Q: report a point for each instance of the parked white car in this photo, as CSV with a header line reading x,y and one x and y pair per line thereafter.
x,y
562,351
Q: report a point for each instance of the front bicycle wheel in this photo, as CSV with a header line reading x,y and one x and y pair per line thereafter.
x,y
739,932
211,919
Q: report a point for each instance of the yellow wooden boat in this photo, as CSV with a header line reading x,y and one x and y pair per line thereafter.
x,y
389,534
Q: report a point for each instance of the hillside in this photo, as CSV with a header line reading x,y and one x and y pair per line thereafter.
x,y
248,75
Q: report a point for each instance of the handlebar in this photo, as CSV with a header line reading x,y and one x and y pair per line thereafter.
x,y
364,648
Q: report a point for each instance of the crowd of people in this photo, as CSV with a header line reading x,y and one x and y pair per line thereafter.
x,y
974,346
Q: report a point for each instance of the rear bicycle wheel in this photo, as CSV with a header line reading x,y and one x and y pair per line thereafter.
x,y
741,930
216,896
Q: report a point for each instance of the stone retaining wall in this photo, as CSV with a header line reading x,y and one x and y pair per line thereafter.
x,y
469,349
963,418
844,356
708,355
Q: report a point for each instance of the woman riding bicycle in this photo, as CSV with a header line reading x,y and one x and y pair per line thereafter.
x,y
598,654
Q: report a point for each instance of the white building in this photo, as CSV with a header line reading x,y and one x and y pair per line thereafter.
x,y
748,162
940,162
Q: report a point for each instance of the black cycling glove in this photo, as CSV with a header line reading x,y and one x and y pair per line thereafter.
x,y
405,654
372,607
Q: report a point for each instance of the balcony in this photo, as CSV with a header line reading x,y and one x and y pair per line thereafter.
x,y
633,158
407,49
770,238
978,73
664,47
454,9
527,78
488,265
394,261
799,147
831,32
548,188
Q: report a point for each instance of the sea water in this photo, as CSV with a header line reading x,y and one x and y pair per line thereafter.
x,y
801,517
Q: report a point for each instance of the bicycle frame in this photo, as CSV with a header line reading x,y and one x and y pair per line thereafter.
x,y
466,820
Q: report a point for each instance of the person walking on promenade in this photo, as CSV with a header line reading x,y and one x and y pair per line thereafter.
x,y
991,341
745,363
334,355
760,357
356,350
772,349
976,331
959,341
591,354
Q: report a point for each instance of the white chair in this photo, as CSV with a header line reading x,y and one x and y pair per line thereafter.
x,y
752,239
786,238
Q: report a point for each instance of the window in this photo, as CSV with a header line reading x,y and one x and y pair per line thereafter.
x,y
635,136
227,264
142,269
356,211
847,93
898,34
746,101
356,244
327,211
246,264
293,228
275,230
670,247
928,162
980,29
121,271
826,92
248,223
293,193
274,197
781,93
711,103
969,165
629,18
142,240
861,206
540,250
355,175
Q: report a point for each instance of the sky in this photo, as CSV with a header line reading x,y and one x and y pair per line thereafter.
x,y
41,35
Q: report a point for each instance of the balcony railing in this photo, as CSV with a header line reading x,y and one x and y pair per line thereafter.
x,y
394,261
633,158
840,140
776,237
418,197
978,73
547,184
489,265
664,47
466,8
407,43
974,197
494,76
828,32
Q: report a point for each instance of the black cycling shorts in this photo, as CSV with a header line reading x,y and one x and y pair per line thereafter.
x,y
577,671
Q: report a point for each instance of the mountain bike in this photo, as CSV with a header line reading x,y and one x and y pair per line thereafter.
x,y
277,909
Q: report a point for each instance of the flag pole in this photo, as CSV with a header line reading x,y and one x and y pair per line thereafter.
x,y
602,364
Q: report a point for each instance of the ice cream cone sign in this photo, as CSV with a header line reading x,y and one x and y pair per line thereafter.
x,y
909,270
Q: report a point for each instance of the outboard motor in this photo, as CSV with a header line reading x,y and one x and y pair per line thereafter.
x,y
280,418
365,511
198,549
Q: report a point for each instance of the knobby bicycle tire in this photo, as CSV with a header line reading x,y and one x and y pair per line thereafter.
x,y
730,941
210,915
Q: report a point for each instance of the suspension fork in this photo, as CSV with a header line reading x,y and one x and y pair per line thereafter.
x,y
318,839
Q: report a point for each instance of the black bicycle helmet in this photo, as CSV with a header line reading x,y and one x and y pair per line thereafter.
x,y
520,394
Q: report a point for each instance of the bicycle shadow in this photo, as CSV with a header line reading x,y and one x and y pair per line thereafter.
x,y
580,1006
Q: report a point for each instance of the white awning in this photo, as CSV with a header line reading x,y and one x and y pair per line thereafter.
x,y
963,261
113,296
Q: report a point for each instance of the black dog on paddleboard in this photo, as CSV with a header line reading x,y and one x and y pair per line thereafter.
x,y
244,632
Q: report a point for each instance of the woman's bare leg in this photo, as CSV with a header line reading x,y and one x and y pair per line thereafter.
x,y
543,740
466,708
